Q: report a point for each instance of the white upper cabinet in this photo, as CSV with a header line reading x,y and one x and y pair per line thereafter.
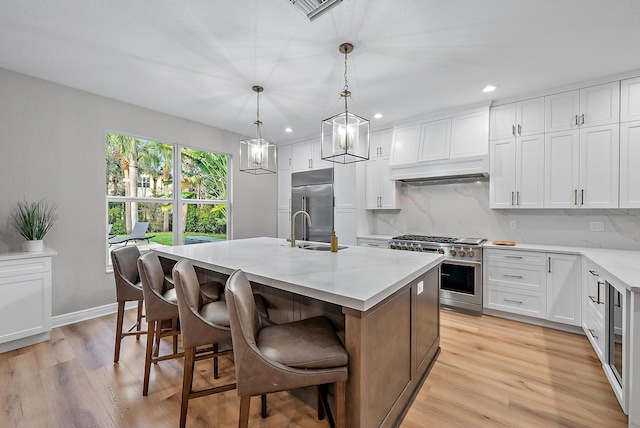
x,y
435,140
517,172
629,165
405,145
592,106
581,168
630,100
344,185
306,155
470,134
284,189
380,191
284,157
517,119
380,143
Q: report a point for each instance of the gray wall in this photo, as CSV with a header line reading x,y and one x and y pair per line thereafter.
x,y
52,145
463,210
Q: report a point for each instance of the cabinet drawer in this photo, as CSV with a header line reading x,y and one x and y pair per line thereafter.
x,y
375,243
524,277
24,266
519,257
594,329
521,302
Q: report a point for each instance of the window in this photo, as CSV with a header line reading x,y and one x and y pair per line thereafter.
x,y
141,187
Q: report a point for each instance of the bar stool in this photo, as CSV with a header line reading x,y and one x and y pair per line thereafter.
x,y
128,289
202,324
161,306
283,356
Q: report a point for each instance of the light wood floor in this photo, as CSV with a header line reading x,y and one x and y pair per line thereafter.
x,y
491,373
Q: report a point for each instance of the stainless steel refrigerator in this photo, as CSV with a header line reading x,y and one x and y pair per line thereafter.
x,y
312,191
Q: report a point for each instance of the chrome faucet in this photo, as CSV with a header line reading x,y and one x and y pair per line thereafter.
x,y
293,225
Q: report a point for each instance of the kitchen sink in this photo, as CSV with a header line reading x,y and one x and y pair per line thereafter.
x,y
316,247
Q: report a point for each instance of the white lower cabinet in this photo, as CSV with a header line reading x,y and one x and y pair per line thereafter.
x,y
25,286
535,284
373,242
564,291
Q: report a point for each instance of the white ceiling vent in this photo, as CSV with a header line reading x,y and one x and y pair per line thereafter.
x,y
314,8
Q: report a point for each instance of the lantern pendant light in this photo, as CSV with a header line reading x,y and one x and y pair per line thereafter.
x,y
345,135
257,155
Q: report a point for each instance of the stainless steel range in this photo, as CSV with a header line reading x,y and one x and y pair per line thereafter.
x,y
461,271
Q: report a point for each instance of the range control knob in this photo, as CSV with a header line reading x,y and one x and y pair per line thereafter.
x,y
461,253
471,253
440,251
453,252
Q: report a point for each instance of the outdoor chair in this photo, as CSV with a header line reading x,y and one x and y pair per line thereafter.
x,y
139,233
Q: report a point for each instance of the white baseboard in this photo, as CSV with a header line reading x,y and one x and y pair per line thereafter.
x,y
87,314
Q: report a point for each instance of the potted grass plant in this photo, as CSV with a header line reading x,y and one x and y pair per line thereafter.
x,y
33,220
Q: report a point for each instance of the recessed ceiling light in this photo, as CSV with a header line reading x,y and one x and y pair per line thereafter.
x,y
377,115
288,129
489,88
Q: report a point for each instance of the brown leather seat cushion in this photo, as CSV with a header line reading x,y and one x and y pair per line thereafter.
x,y
211,291
216,313
171,296
307,344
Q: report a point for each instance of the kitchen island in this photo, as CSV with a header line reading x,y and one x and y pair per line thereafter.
x,y
386,302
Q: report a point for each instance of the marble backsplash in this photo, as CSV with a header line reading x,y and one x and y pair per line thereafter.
x,y
462,209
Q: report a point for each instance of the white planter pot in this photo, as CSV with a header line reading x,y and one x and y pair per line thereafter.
x,y
33,246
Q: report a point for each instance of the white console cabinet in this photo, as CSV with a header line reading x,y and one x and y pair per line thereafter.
x,y
25,308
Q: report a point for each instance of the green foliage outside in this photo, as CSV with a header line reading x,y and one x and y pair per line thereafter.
x,y
143,168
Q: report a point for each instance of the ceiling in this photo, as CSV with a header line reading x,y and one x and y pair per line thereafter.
x,y
198,59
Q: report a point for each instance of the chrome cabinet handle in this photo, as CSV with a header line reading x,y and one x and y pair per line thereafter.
x,y
513,276
582,197
513,257
593,272
518,198
582,121
549,259
593,333
511,198
576,120
519,129
513,301
513,130
575,197
599,301
593,299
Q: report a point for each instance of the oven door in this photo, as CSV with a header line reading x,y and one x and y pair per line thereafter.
x,y
461,285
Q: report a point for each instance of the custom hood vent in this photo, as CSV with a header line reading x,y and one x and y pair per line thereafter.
x,y
314,8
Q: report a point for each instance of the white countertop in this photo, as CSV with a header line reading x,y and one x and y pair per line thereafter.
x,y
623,265
48,252
354,277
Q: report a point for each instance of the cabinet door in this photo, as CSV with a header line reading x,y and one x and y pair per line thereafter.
x,y
301,156
435,139
529,171
599,166
372,184
502,122
344,185
600,105
385,142
405,145
630,100
561,111
470,135
387,186
284,189
502,173
629,161
316,155
530,117
284,157
561,153
284,224
564,289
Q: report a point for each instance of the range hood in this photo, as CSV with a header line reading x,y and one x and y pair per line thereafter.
x,y
445,171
